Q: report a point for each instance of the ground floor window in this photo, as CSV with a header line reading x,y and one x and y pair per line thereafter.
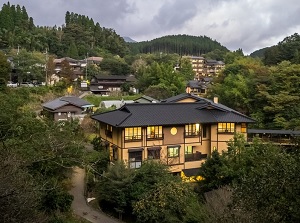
x,y
173,151
188,150
135,159
154,153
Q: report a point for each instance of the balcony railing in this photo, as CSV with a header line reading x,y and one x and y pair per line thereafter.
x,y
155,136
133,138
195,157
192,134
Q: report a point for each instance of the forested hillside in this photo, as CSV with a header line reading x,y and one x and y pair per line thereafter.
x,y
259,53
287,49
77,37
180,44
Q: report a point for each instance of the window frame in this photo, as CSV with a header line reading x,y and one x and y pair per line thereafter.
x,y
133,134
190,130
186,150
153,154
154,132
226,127
174,154
133,162
108,131
243,127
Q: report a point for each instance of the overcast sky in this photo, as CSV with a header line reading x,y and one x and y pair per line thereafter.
x,y
246,24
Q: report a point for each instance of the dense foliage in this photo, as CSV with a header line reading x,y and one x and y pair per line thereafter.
x,y
287,49
269,94
36,158
179,44
148,194
261,178
78,37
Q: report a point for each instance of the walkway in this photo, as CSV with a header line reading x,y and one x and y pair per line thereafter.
x,y
79,204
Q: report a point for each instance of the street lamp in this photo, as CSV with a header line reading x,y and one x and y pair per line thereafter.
x,y
86,66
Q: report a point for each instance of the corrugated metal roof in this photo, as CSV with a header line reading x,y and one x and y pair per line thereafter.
x,y
169,114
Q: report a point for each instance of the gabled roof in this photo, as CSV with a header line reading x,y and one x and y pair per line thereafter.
x,y
60,102
146,99
146,114
183,96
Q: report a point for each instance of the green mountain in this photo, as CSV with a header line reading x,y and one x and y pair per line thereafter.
x,y
259,53
287,49
79,36
179,44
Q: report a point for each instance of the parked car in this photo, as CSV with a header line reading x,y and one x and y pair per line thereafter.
x,y
26,84
11,84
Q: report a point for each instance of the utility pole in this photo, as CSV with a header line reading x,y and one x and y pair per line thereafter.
x,y
46,67
86,66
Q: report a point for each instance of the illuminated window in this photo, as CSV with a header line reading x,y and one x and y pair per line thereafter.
x,y
188,150
134,133
173,151
243,128
226,127
154,132
192,130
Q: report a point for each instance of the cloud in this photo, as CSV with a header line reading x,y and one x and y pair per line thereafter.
x,y
246,24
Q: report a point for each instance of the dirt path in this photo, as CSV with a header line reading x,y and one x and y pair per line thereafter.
x,y
79,204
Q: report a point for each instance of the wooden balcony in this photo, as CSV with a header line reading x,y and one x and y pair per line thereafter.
x,y
195,157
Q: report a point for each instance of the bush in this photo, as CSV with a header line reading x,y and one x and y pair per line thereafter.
x,y
57,200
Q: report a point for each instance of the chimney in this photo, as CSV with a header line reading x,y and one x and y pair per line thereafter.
x,y
216,100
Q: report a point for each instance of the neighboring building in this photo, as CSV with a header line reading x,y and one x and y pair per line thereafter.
x,y
146,99
105,85
182,131
67,108
198,64
199,87
284,138
116,103
204,67
213,67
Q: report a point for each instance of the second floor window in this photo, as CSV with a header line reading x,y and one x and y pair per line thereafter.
x,y
108,131
226,127
154,132
243,128
192,130
134,133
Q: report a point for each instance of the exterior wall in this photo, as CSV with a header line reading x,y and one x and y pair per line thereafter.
x,y
187,100
201,145
67,112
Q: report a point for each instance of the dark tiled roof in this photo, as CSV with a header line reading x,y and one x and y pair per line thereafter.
x,y
110,77
146,114
59,102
